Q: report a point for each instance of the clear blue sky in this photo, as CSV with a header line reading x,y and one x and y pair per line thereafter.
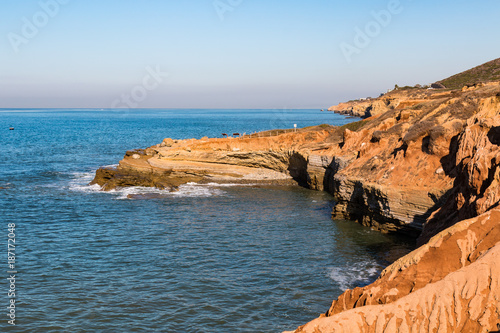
x,y
246,54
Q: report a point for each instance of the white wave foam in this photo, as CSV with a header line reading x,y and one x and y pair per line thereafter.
x,y
130,192
190,190
197,190
80,183
355,275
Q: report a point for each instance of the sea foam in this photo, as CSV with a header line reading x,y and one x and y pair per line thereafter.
x,y
79,182
355,275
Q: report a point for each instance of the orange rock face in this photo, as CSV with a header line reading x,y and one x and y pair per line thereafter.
x,y
451,282
426,163
475,157
275,157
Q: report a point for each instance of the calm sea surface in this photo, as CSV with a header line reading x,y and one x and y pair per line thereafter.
x,y
205,259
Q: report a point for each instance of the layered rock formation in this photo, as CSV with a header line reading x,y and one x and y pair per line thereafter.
x,y
273,157
366,108
391,172
451,282
473,160
427,165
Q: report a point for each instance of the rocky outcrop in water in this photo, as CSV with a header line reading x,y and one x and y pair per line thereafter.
x,y
265,158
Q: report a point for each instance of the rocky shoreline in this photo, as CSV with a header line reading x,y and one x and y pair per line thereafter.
x,y
424,163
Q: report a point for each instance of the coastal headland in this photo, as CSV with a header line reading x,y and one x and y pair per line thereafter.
x,y
422,162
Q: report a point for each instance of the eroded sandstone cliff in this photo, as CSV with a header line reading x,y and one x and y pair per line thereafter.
x,y
426,165
366,108
451,282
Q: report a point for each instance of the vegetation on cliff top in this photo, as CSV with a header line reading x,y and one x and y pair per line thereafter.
x,y
355,125
487,72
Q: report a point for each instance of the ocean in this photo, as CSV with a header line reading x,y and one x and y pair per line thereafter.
x,y
208,258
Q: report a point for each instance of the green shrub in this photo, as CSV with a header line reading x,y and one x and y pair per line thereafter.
x,y
355,125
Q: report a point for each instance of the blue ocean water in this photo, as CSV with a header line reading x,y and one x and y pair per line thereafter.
x,y
208,258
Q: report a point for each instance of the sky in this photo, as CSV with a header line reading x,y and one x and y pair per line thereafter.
x,y
233,53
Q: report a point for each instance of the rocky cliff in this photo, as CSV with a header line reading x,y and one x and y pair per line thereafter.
x,y
450,283
425,164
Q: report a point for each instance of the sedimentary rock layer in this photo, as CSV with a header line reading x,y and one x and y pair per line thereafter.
x,y
269,158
